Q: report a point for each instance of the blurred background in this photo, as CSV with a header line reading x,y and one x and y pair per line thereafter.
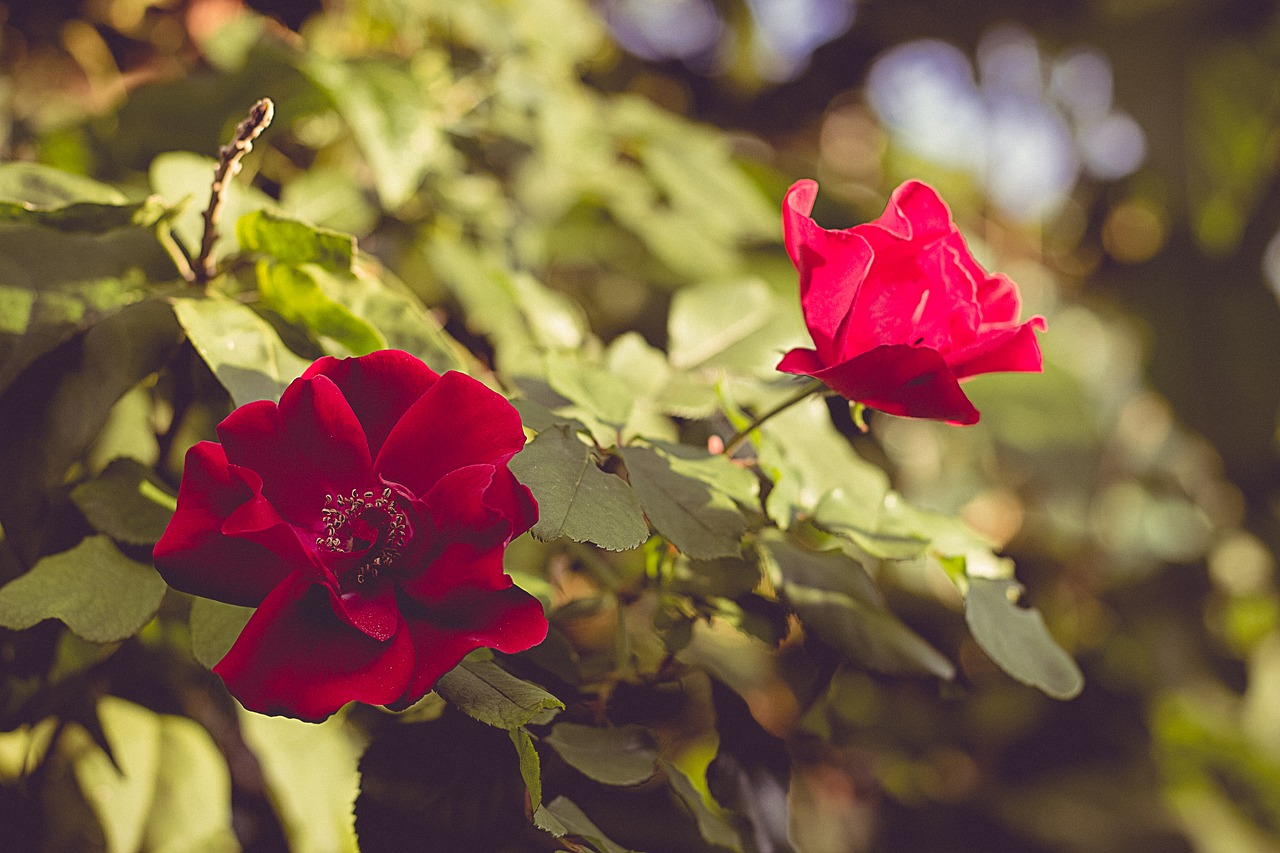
x,y
1117,158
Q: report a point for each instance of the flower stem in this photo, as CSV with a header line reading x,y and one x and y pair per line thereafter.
x,y
229,157
731,447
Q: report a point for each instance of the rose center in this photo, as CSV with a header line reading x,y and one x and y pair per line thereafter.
x,y
368,524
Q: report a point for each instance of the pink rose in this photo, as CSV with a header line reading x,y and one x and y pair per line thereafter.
x,y
899,310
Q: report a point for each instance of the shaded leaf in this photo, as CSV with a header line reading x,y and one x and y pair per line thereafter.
x,y
94,589
125,503
241,348
44,186
702,522
575,498
713,828
838,602
573,821
622,755
488,693
215,626
449,784
1016,638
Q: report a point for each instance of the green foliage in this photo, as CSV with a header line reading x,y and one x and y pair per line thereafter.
x,y
1017,639
698,517
626,755
214,628
575,498
488,693
126,503
93,588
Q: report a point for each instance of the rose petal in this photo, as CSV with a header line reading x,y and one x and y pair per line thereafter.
x,y
369,608
1012,350
193,555
803,362
913,382
308,447
915,212
297,659
509,620
832,266
458,564
514,500
457,422
380,387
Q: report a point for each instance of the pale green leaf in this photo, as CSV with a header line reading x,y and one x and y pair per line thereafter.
x,y
530,764
714,829
291,241
1016,638
296,294
311,776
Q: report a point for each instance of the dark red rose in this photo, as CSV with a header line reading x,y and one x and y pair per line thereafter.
x,y
899,310
365,517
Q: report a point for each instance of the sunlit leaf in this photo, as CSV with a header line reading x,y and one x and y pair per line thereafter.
x,y
575,498
621,755
184,178
1017,639
94,589
295,293
241,348
740,326
530,764
291,241
311,776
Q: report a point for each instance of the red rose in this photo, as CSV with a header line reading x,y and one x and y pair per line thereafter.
x,y
899,310
365,517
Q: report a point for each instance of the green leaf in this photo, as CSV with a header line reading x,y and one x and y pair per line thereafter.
x,y
312,778
45,186
488,693
95,590
392,121
728,577
215,626
838,602
293,242
737,326
713,828
591,387
168,787
125,503
1016,638
241,348
703,522
573,821
530,764
375,296
296,294
50,425
575,498
622,755
192,806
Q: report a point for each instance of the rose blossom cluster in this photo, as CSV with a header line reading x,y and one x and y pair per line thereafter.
x,y
365,515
